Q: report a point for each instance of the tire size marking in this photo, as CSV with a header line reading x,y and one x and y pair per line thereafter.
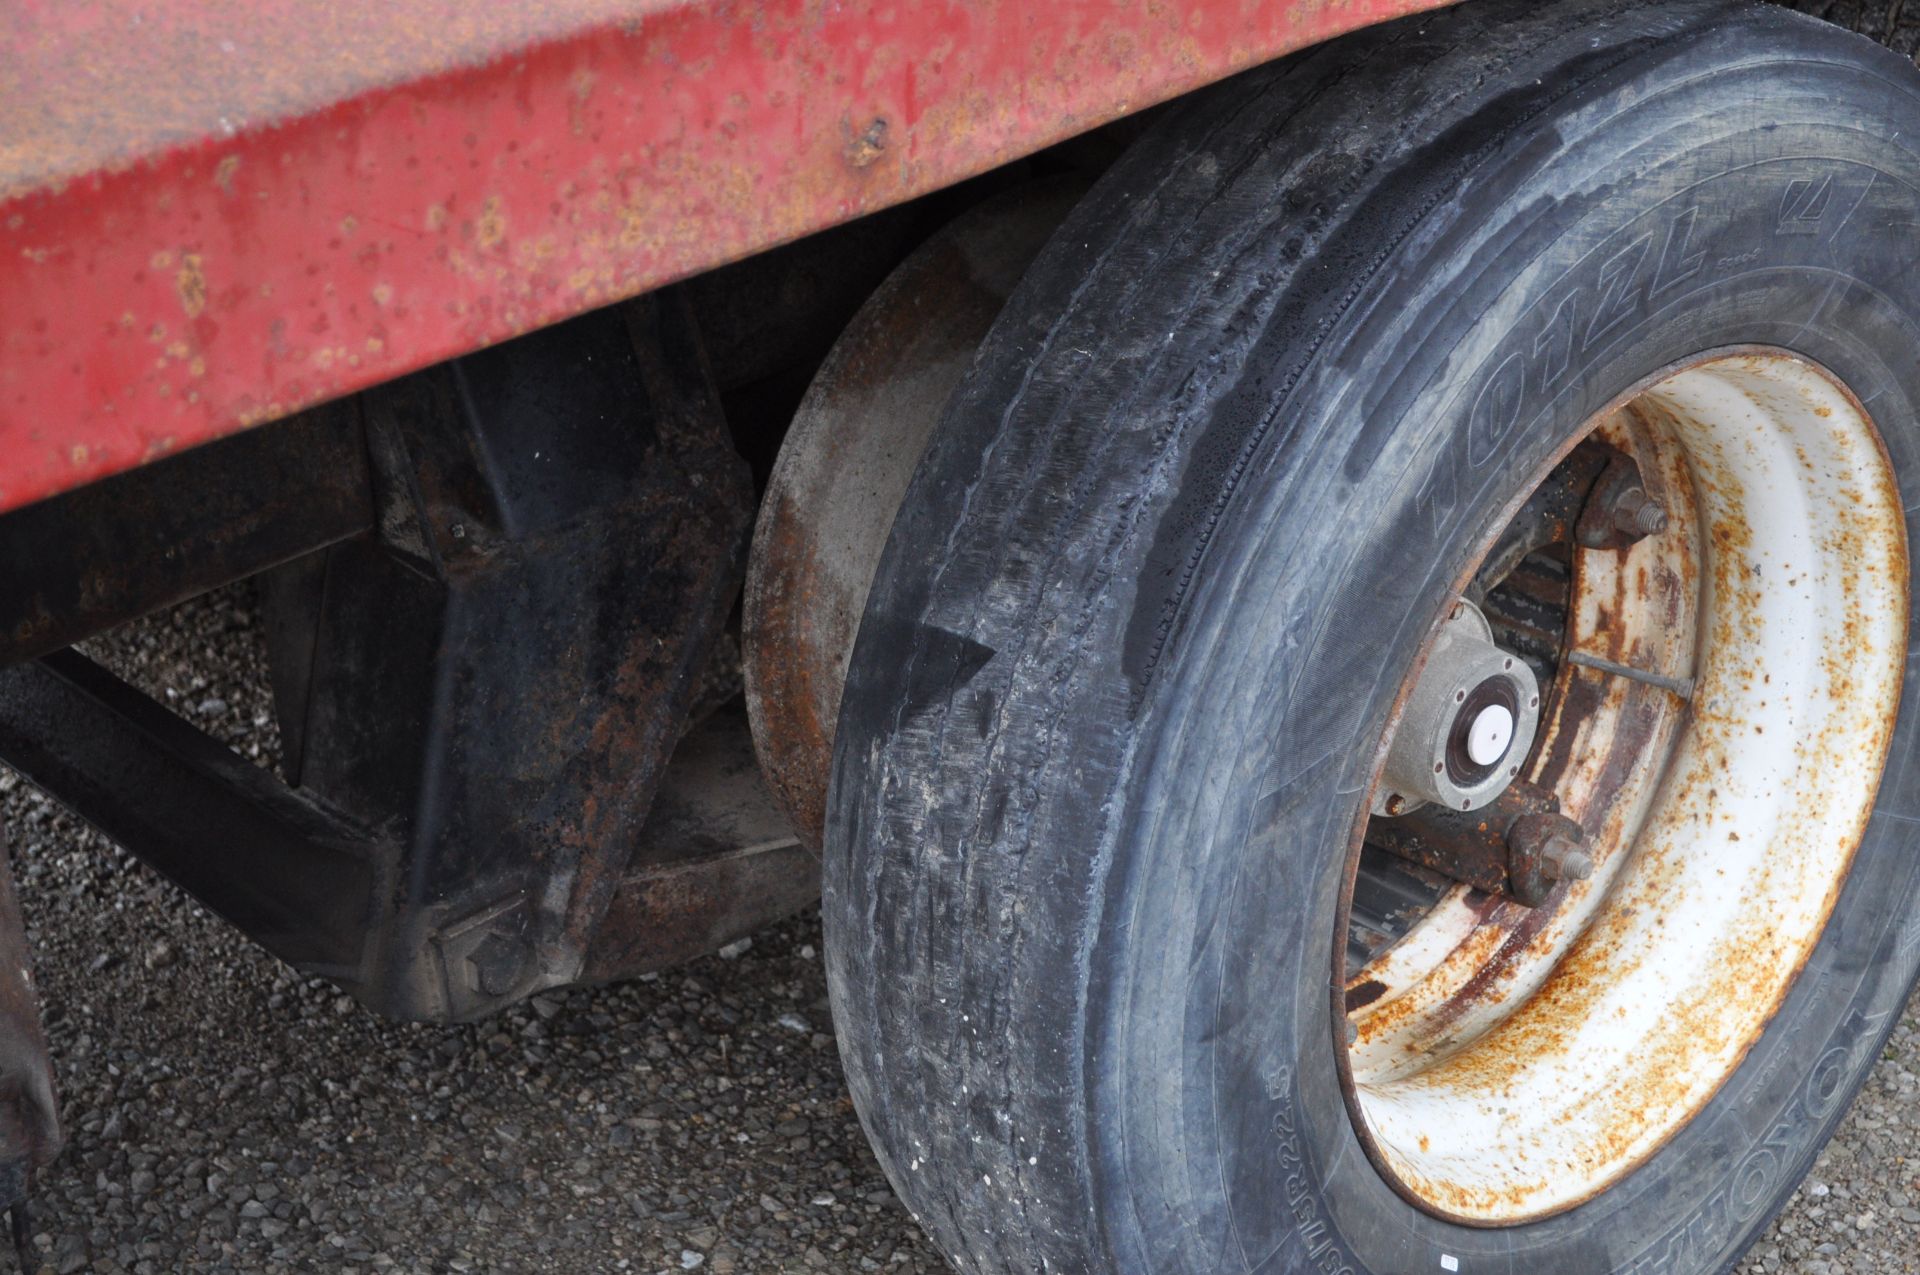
x,y
1310,1220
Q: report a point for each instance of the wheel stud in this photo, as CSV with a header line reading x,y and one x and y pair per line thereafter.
x,y
1563,859
1637,514
1619,513
1543,849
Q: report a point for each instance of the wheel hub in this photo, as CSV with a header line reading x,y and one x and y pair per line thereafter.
x,y
1467,724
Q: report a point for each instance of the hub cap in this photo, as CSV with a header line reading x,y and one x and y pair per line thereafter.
x,y
1467,724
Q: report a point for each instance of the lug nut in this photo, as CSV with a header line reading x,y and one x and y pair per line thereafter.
x,y
1638,514
1562,859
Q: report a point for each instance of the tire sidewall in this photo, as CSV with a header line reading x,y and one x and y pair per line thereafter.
x,y
1215,1043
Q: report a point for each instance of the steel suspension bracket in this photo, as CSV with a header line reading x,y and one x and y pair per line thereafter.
x,y
500,676
479,694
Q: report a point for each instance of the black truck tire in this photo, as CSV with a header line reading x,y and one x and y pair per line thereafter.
x,y
1233,449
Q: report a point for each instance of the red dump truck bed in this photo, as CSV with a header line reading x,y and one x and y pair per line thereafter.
x,y
213,214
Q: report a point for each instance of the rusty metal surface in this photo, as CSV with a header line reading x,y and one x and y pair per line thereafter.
x,y
1600,751
664,915
715,860
843,470
483,695
1483,848
215,213
498,680
712,799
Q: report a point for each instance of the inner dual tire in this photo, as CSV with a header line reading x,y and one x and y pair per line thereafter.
x,y
1097,841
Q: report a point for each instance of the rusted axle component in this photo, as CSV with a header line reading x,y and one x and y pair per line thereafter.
x,y
1520,845
1594,498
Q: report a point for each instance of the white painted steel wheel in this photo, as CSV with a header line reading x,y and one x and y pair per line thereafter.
x,y
1508,1061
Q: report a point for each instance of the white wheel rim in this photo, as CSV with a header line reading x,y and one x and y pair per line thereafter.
x,y
1513,1062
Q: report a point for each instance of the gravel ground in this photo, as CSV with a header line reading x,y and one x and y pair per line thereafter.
x,y
227,1114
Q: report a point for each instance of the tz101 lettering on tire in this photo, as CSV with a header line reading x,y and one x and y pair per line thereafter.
x,y
1378,741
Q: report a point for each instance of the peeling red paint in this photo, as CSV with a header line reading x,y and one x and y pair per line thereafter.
x,y
213,215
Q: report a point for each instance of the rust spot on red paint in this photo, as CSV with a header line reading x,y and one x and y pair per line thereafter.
x,y
192,285
490,227
869,145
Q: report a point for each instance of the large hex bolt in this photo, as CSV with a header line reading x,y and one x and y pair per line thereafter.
x,y
497,964
1543,850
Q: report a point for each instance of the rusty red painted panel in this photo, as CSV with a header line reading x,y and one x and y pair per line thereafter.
x,y
213,213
